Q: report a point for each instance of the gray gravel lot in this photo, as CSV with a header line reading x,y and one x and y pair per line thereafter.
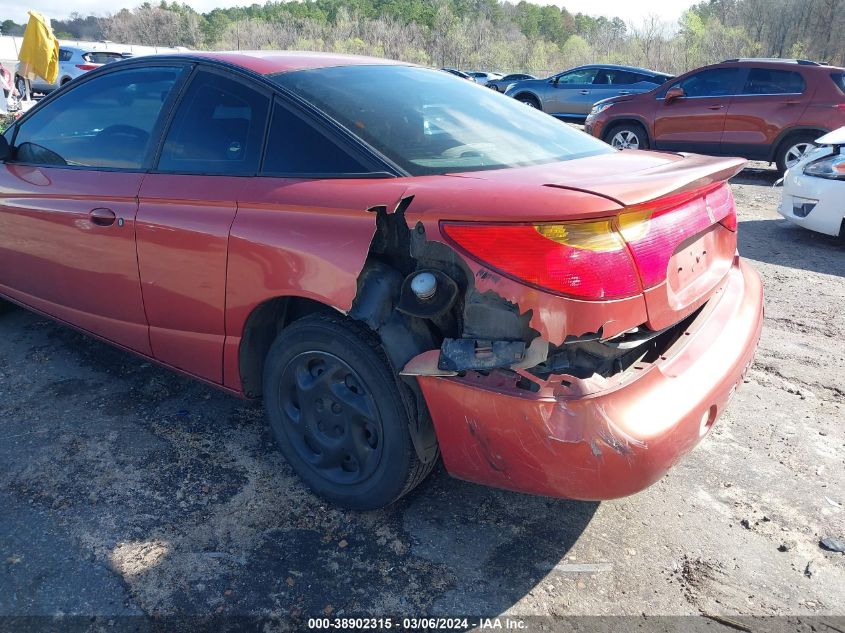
x,y
126,489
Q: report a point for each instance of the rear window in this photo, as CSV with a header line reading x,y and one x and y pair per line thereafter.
x,y
430,123
101,57
766,81
839,80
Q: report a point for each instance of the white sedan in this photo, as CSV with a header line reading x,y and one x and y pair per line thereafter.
x,y
814,189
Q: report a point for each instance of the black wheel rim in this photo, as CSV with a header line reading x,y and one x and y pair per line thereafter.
x,y
330,417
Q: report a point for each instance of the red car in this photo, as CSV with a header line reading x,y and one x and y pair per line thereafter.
x,y
402,264
763,109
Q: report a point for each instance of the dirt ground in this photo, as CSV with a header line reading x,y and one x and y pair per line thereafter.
x,y
127,490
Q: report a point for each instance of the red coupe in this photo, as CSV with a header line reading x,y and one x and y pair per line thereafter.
x,y
402,264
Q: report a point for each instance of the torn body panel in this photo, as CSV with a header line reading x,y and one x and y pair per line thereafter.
x,y
298,238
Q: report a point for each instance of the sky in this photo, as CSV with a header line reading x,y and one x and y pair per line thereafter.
x,y
632,11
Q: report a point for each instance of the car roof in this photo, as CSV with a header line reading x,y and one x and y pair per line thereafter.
x,y
776,62
271,62
637,69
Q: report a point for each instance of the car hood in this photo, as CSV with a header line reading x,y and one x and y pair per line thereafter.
x,y
628,178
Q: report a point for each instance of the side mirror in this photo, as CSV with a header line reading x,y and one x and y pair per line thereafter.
x,y
675,92
5,149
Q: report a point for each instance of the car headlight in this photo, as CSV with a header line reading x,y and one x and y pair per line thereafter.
x,y
600,107
831,167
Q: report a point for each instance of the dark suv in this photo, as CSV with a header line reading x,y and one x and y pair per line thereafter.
x,y
762,109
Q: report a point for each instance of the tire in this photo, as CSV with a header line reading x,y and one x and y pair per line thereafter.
x,y
530,101
319,368
627,136
792,148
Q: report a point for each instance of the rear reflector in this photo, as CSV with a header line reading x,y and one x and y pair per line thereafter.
x,y
585,260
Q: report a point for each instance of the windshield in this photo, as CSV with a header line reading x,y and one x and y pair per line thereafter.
x,y
429,122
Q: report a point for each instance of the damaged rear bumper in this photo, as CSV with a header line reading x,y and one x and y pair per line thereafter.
x,y
611,443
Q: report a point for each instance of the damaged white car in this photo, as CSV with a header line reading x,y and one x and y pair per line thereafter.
x,y
813,190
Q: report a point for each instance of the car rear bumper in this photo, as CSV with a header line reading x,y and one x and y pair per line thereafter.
x,y
611,443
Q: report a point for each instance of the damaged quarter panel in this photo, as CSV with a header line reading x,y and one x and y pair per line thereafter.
x,y
298,238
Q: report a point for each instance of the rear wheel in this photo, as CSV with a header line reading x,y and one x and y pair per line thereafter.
x,y
627,136
339,414
794,148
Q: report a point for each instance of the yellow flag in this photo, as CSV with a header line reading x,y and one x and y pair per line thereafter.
x,y
39,54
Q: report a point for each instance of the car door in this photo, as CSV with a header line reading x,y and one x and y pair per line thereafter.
x,y
570,93
769,101
695,122
186,207
68,201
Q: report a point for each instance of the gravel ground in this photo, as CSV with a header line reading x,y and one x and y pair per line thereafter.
x,y
127,490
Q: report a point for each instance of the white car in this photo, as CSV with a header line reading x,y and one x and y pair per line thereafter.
x,y
814,189
73,62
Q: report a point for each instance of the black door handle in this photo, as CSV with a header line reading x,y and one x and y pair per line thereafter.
x,y
103,217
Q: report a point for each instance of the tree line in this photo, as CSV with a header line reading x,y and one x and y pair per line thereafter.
x,y
483,34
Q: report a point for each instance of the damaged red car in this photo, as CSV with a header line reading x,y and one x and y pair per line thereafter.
x,y
403,265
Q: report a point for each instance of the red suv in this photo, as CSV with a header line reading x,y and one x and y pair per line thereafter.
x,y
762,109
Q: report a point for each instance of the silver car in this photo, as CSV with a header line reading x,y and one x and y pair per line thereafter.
x,y
73,62
483,77
571,94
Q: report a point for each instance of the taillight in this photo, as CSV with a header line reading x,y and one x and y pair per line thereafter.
x,y
654,232
585,260
87,66
840,107
599,259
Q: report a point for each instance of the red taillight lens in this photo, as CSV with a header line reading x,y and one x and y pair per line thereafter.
x,y
653,234
585,260
840,107
87,66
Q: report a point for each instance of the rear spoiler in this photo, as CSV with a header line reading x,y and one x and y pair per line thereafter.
x,y
693,172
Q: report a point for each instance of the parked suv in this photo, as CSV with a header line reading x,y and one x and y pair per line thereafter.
x,y
570,95
73,62
762,109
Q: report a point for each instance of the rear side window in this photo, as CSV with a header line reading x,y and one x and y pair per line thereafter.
x,y
296,148
766,81
715,82
839,80
218,128
108,121
101,57
65,55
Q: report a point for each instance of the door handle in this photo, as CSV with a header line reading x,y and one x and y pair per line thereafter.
x,y
585,92
715,107
103,217
624,92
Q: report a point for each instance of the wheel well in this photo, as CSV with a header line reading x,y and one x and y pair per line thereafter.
x,y
263,325
785,136
616,122
528,95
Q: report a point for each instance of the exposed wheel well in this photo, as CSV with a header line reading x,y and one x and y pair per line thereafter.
x,y
261,329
